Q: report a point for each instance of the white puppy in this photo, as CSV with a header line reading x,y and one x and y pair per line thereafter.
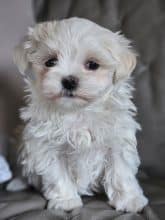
x,y
80,126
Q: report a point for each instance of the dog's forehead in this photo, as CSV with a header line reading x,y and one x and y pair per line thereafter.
x,y
67,31
69,36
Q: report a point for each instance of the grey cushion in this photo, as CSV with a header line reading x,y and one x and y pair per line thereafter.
x,y
30,205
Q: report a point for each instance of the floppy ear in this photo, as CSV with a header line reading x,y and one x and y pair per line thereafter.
x,y
21,51
20,58
125,57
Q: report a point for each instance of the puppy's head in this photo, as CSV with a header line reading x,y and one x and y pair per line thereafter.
x,y
74,61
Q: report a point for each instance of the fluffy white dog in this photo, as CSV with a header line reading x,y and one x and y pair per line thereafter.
x,y
80,127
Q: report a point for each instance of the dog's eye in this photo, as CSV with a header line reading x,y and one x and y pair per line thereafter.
x,y
51,62
91,65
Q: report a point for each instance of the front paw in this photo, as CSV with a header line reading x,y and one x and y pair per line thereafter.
x,y
66,205
133,203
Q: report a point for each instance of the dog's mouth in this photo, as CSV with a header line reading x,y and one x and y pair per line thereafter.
x,y
71,95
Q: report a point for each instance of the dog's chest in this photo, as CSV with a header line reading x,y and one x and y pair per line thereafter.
x,y
80,131
69,135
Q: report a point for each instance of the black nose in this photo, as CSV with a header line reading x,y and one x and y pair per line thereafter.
x,y
70,83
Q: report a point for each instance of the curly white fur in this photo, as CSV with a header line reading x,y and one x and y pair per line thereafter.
x,y
78,147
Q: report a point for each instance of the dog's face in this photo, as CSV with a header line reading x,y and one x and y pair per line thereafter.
x,y
74,61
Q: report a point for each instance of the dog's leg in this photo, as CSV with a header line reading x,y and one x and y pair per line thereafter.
x,y
120,183
59,189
